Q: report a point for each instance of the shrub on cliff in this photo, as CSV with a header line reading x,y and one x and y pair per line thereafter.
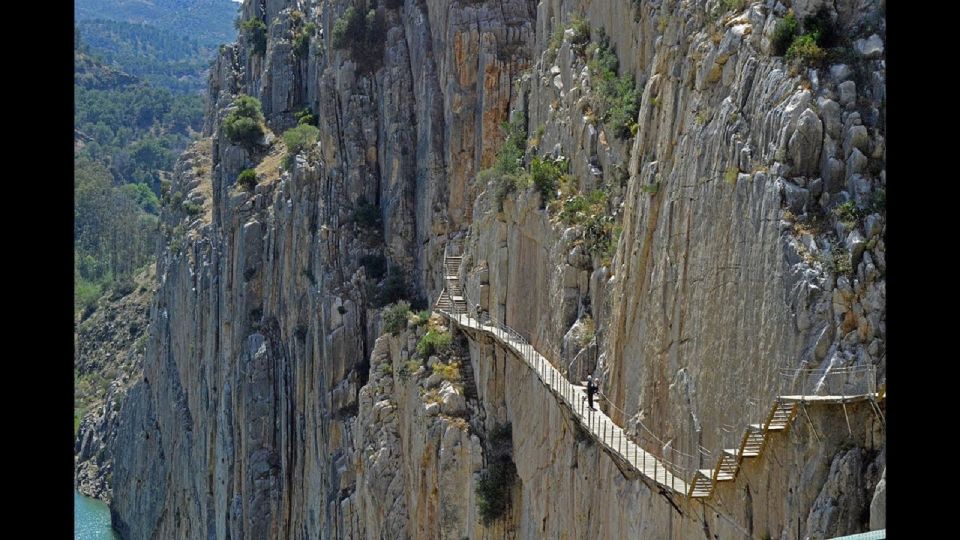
x,y
241,130
367,215
617,97
546,174
255,32
301,44
306,116
434,342
395,317
507,172
805,49
375,265
363,36
820,34
498,477
247,179
300,137
393,288
783,34
823,26
244,124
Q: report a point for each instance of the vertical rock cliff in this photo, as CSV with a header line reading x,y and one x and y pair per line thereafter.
x,y
739,231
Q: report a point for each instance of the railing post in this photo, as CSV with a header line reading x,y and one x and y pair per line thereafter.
x,y
673,477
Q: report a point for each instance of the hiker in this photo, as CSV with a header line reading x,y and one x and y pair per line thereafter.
x,y
591,390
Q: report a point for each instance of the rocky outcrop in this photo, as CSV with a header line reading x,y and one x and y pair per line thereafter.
x,y
749,208
108,357
416,455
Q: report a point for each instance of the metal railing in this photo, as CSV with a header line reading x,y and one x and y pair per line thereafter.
x,y
453,248
843,382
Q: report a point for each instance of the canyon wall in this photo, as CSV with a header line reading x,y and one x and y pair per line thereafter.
x,y
747,204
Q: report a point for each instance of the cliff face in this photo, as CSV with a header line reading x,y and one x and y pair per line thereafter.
x,y
269,406
108,359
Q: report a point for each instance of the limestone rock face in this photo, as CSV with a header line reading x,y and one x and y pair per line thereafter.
x,y
747,234
878,506
413,466
108,360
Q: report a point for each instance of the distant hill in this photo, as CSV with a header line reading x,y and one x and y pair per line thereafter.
x,y
209,22
162,58
91,73
131,126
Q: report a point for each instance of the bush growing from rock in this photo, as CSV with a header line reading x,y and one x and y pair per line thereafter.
x,y
255,32
247,179
374,265
363,36
617,97
366,215
498,477
434,342
393,288
783,34
805,49
546,174
300,137
244,124
507,172
395,317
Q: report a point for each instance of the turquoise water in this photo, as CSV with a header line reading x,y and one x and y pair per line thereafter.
x,y
91,519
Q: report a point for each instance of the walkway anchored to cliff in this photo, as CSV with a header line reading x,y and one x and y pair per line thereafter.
x,y
700,483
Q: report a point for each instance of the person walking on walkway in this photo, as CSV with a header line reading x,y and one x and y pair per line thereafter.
x,y
591,390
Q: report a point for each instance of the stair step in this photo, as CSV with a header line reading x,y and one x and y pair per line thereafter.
x,y
723,477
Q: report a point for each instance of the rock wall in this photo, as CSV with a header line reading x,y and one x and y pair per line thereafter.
x,y
269,406
108,359
412,474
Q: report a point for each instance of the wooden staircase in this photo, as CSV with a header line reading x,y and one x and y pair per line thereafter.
x,y
751,445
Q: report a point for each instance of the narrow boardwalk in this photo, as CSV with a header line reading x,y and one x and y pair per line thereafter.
x,y
452,305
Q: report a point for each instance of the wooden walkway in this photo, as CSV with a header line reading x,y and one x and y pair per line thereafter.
x,y
602,429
